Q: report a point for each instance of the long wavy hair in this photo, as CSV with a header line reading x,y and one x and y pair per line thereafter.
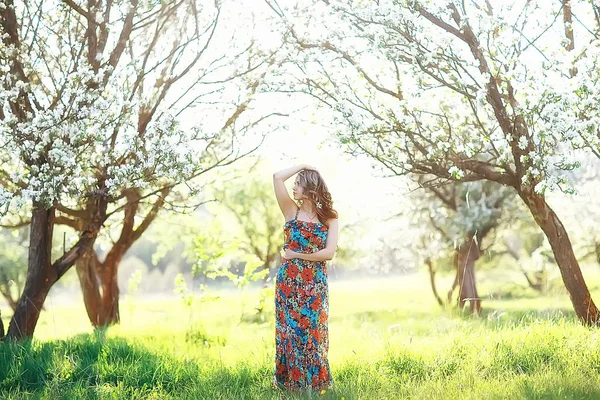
x,y
315,189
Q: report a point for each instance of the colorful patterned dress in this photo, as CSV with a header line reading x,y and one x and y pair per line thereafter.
x,y
302,308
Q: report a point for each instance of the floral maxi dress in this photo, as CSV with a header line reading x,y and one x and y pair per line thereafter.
x,y
302,308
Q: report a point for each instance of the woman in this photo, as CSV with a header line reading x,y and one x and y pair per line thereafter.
x,y
301,296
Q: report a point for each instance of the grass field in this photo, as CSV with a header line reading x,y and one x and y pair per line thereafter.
x,y
388,340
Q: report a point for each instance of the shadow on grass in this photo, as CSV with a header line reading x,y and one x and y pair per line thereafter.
x,y
90,362
93,366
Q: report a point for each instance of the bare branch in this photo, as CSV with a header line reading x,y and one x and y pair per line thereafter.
x,y
80,11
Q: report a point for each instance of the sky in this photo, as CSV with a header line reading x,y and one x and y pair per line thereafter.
x,y
361,194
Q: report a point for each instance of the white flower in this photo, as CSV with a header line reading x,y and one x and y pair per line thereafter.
x,y
522,142
456,172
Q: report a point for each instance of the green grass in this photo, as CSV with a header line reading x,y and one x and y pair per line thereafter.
x,y
388,340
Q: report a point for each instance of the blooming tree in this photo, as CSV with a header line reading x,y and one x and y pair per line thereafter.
x,y
458,91
452,222
92,110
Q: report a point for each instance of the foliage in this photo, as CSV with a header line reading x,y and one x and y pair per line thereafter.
x,y
259,223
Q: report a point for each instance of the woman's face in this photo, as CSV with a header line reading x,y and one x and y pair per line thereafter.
x,y
298,190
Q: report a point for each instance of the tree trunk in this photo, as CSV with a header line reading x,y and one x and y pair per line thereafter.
x,y
100,288
110,290
103,305
466,256
537,286
40,273
454,285
515,254
562,248
268,265
88,281
432,281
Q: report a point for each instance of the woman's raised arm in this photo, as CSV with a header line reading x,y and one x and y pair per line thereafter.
x,y
286,204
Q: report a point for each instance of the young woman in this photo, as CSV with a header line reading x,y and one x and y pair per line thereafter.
x,y
301,295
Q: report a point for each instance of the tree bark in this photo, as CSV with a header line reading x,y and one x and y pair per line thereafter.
x,y
466,256
562,248
515,254
110,286
269,262
535,286
432,281
454,285
90,288
100,289
40,273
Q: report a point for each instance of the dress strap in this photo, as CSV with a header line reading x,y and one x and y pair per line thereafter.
x,y
297,211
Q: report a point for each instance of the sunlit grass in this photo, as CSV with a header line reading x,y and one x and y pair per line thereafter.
x,y
388,339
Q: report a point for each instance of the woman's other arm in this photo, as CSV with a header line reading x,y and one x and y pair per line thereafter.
x,y
322,255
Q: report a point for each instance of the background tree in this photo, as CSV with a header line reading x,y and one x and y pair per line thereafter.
x,y
527,248
250,201
454,221
13,259
203,64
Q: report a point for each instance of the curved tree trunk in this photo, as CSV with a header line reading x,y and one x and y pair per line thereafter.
x,y
273,259
12,303
100,286
7,293
432,281
110,290
90,288
40,273
466,256
98,279
537,286
454,284
562,248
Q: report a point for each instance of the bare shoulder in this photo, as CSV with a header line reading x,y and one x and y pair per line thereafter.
x,y
332,222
